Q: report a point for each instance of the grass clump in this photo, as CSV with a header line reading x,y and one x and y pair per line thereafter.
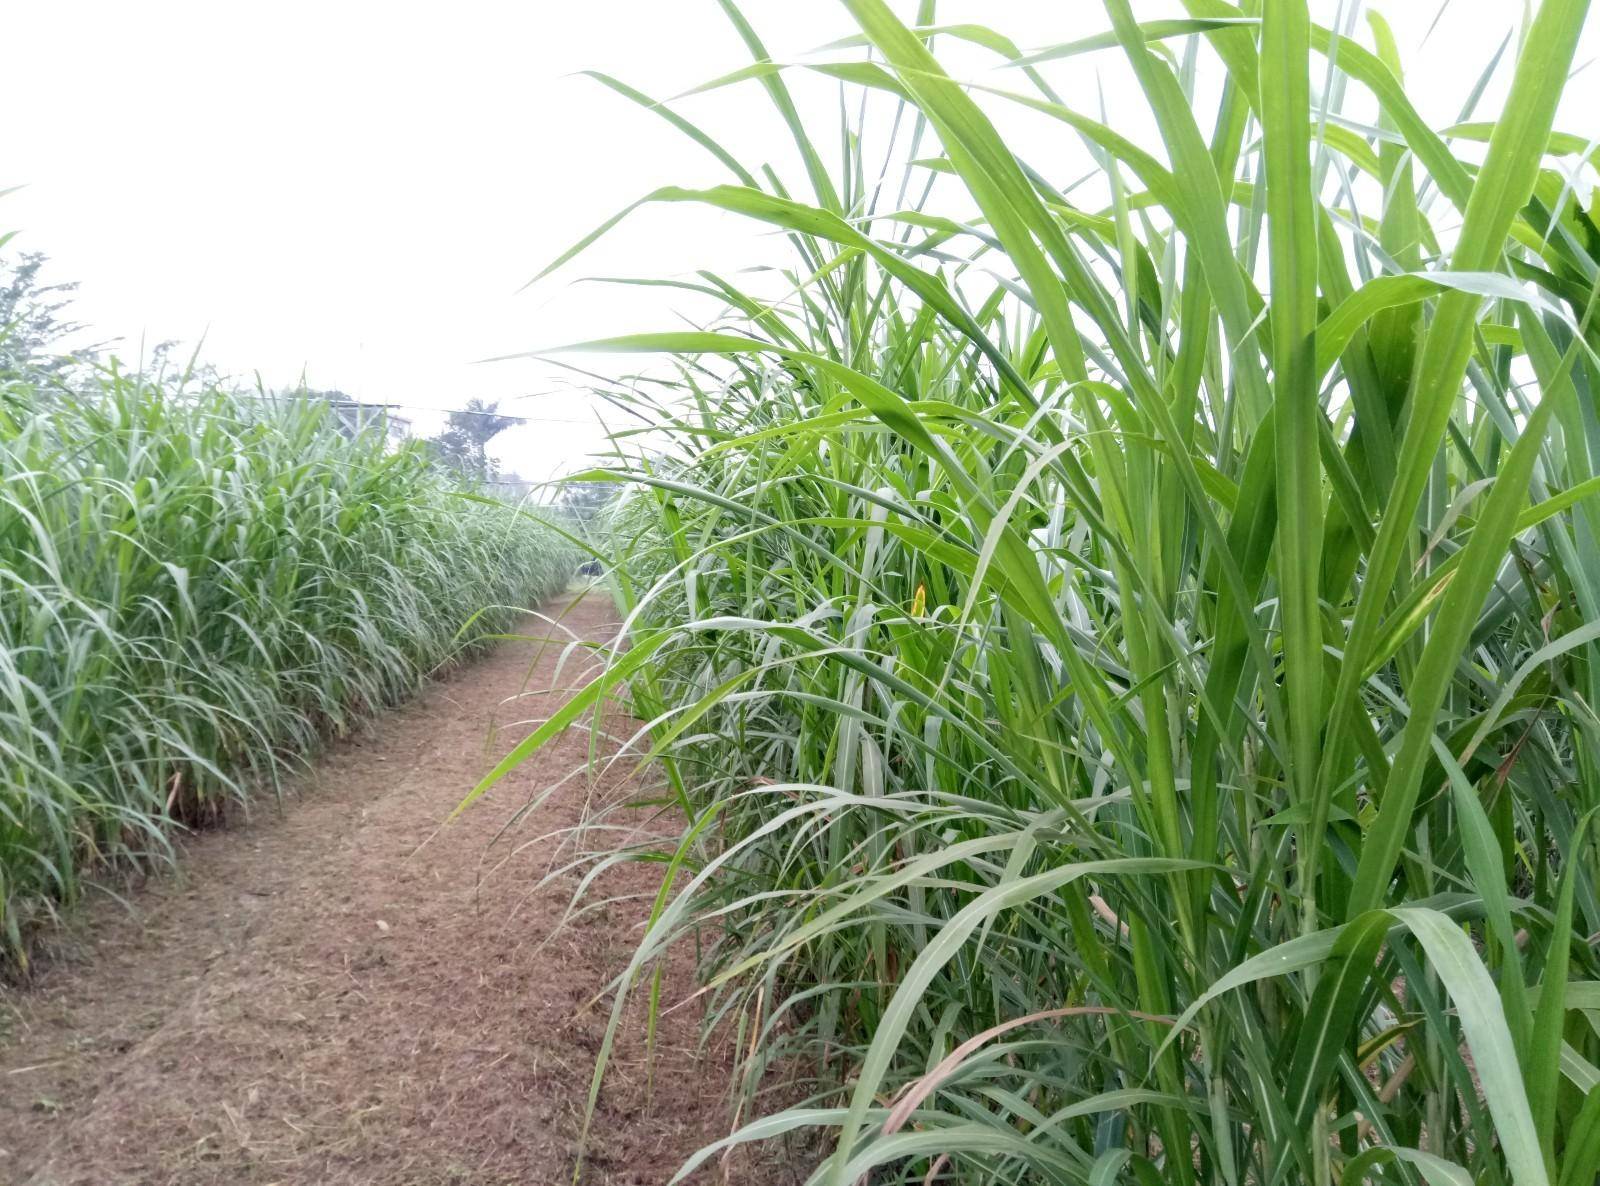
x,y
1123,656
197,587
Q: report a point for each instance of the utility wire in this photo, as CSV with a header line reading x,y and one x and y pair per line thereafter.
x,y
357,403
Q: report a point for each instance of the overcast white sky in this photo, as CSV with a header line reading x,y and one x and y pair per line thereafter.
x,y
356,189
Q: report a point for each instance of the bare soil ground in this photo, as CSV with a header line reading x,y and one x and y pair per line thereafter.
x,y
318,996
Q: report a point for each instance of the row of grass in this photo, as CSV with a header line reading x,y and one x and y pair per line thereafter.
x,y
1122,660
196,588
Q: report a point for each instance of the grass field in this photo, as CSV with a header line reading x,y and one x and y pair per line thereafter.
x,y
197,588
1122,663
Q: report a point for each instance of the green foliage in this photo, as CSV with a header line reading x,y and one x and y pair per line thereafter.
x,y
33,329
463,445
195,589
1127,676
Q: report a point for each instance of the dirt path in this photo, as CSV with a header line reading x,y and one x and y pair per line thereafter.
x,y
314,999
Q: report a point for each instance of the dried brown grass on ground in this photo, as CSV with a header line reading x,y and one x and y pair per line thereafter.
x,y
317,999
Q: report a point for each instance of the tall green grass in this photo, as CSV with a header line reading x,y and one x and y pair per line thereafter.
x,y
196,587
1122,663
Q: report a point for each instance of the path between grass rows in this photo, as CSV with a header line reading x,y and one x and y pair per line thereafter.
x,y
314,998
